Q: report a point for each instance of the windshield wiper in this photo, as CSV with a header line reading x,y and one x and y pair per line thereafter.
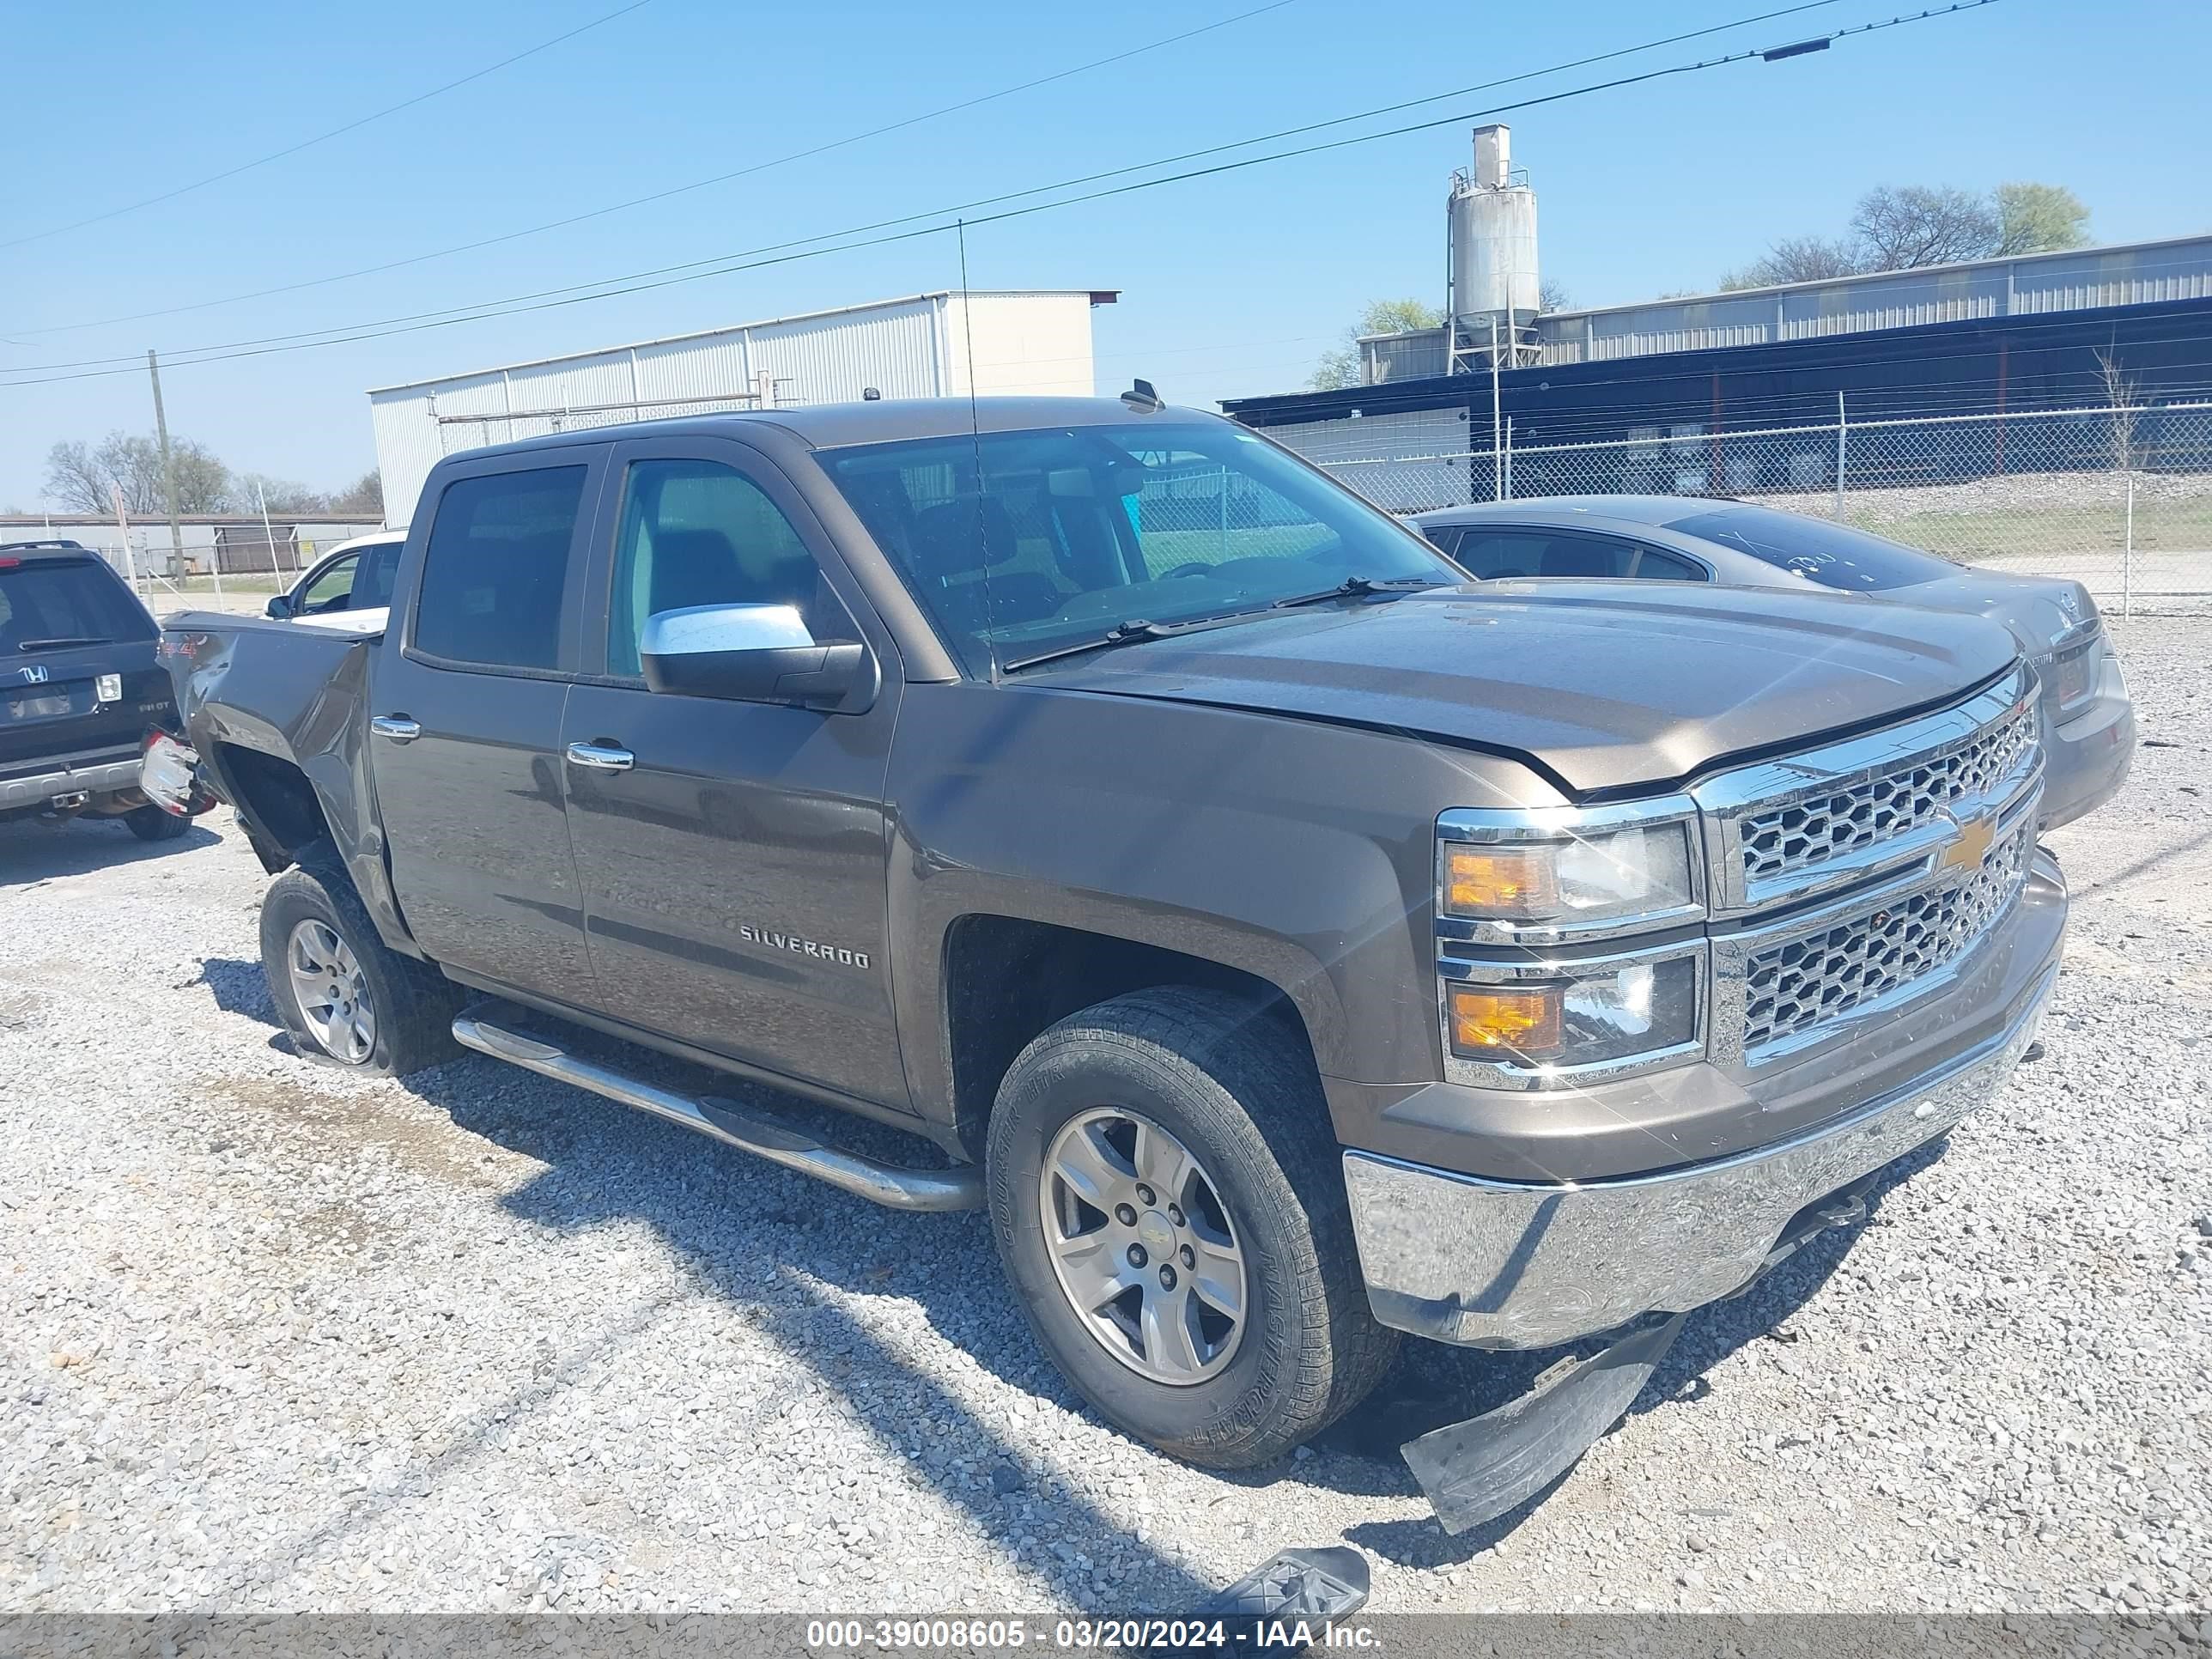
x,y
1354,586
60,644
1126,633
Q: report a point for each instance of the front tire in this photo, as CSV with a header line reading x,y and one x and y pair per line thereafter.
x,y
1166,1199
346,997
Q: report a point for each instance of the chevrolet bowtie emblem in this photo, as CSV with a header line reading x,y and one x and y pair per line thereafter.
x,y
1972,846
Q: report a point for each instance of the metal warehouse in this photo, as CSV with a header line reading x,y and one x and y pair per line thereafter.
x,y
1035,341
1823,375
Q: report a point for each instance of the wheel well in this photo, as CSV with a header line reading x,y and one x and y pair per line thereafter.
x,y
1007,980
277,802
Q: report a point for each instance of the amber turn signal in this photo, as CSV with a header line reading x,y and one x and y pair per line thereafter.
x,y
1493,1023
1500,881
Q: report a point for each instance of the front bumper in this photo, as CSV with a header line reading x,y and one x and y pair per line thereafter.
x,y
1529,1264
71,778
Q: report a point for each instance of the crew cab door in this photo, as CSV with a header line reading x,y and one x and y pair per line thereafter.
x,y
465,703
733,856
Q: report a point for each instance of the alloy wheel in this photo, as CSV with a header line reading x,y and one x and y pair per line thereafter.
x,y
1143,1247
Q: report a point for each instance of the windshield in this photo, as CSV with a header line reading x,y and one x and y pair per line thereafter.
x,y
65,599
1832,555
1076,530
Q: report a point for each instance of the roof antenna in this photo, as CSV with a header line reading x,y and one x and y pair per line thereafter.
x,y
976,437
1141,398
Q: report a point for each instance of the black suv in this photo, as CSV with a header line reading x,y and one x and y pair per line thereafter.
x,y
79,688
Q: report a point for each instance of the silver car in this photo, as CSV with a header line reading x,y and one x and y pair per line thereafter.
x,y
2088,722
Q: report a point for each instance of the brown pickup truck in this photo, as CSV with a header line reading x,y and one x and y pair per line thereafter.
x,y
1291,942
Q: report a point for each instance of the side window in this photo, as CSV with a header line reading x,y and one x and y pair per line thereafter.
x,y
1654,566
1495,556
492,573
699,532
1445,537
333,589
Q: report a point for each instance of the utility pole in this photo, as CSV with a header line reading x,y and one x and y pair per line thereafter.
x,y
169,473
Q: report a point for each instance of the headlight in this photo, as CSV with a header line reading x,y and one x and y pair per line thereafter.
x,y
1582,1016
1590,876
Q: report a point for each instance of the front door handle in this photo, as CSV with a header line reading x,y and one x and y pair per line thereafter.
x,y
398,728
601,757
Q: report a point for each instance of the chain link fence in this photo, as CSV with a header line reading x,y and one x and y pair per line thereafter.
x,y
2118,498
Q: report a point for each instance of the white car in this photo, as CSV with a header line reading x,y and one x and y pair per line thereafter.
x,y
349,588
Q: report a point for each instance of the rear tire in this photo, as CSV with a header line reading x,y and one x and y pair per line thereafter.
x,y
1226,1085
152,824
347,997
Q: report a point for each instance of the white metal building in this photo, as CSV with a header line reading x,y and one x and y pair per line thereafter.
x,y
1029,342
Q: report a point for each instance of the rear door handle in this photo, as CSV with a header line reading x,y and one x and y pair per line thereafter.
x,y
600,757
398,728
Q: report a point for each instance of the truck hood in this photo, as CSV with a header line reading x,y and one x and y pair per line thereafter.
x,y
1604,686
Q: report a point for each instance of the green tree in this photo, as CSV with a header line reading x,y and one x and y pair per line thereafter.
x,y
2036,218
1340,368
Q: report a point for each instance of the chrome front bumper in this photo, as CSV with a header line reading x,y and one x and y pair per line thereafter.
x,y
40,787
1509,1265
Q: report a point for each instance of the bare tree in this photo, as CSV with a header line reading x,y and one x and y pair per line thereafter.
x,y
364,494
1799,259
1552,295
1896,227
252,489
1901,226
2125,404
75,479
79,475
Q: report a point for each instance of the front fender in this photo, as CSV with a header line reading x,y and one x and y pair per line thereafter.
x,y
1299,852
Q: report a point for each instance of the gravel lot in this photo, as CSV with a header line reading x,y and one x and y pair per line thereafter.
x,y
271,1339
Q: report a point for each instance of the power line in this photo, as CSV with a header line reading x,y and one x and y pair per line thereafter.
x,y
323,137
729,264
678,190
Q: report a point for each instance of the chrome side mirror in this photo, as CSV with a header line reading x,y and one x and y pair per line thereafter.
x,y
753,653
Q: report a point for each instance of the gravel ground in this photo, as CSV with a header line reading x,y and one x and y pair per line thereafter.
x,y
274,1338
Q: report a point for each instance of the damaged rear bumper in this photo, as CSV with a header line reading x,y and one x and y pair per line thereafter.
x,y
1494,1264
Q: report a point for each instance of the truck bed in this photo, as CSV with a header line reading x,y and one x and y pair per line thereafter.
x,y
281,671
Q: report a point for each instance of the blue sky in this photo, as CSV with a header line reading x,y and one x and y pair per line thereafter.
x,y
1230,286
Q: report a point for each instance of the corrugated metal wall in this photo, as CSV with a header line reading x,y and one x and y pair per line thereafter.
x,y
2142,274
1036,342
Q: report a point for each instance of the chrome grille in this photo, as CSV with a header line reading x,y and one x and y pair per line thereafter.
x,y
1814,828
1790,988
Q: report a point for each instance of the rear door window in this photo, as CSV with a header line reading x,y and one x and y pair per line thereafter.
x,y
495,571
75,600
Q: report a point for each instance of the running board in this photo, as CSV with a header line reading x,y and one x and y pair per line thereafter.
x,y
772,1138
